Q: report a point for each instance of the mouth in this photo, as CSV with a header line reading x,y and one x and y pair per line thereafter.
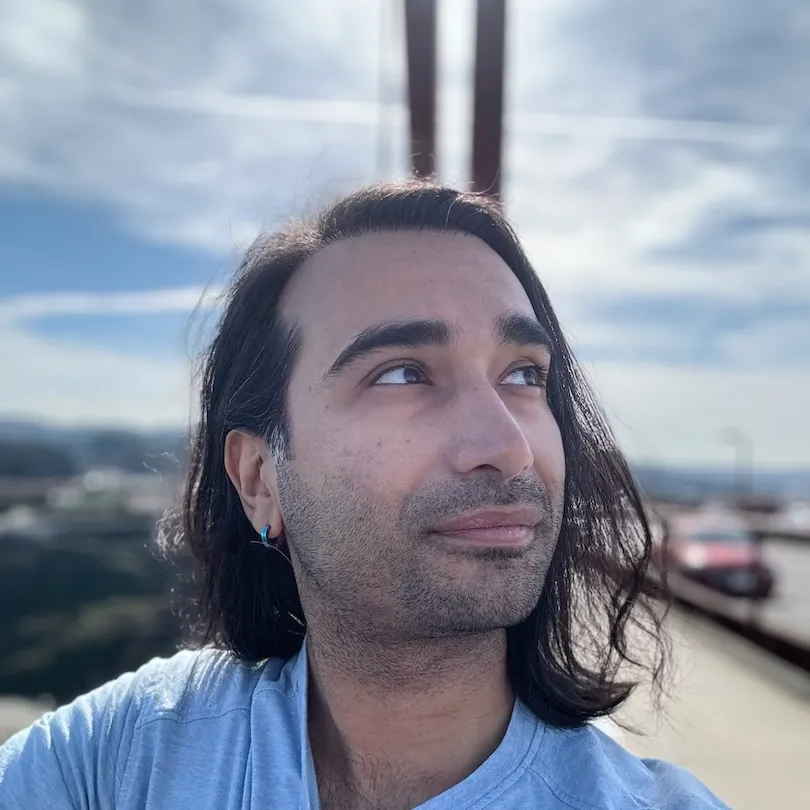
x,y
500,527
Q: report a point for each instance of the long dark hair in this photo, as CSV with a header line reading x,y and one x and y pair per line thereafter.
x,y
567,660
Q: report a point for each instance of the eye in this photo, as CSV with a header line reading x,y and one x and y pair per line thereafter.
x,y
531,376
401,375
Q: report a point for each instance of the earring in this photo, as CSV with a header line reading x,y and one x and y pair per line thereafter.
x,y
268,542
265,539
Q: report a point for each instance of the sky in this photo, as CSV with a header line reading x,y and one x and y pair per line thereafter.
x,y
656,167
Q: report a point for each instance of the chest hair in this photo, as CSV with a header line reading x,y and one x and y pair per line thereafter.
x,y
375,786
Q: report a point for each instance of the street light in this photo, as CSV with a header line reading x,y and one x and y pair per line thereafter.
x,y
743,460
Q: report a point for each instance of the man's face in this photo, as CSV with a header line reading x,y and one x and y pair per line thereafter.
x,y
418,399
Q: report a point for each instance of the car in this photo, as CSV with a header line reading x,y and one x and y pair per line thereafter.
x,y
717,549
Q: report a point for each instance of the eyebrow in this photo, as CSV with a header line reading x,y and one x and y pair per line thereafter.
x,y
396,335
521,330
511,328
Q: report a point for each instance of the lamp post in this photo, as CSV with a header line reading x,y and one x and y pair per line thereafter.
x,y
743,461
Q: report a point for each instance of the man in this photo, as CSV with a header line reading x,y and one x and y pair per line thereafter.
x,y
420,552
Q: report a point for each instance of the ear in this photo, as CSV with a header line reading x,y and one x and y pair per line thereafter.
x,y
250,467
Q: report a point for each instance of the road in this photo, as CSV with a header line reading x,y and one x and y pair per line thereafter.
x,y
737,719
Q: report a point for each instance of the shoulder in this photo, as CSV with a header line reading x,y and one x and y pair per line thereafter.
x,y
85,745
185,685
197,683
586,768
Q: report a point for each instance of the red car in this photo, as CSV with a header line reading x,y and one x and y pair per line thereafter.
x,y
718,550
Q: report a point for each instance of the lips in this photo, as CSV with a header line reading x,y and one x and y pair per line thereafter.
x,y
506,526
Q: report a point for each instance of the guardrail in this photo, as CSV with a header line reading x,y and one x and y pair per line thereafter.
x,y
766,526
745,617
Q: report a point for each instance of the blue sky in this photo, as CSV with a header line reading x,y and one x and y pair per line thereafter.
x,y
657,168
55,243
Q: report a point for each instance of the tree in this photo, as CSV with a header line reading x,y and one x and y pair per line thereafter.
x,y
32,459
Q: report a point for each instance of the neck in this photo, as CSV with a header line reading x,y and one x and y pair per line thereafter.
x,y
393,717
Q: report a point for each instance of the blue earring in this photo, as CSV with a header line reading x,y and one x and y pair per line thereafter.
x,y
270,543
265,539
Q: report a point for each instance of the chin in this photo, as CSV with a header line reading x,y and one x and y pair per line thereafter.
x,y
463,593
465,610
478,623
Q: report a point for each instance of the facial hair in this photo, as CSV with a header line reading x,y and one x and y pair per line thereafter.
x,y
378,567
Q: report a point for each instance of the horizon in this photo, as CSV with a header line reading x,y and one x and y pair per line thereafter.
x,y
9,424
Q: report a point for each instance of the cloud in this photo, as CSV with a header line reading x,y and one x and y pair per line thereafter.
x,y
654,155
62,383
669,164
44,35
184,299
73,382
198,127
679,413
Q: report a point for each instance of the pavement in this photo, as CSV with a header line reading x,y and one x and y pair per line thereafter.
x,y
736,718
17,713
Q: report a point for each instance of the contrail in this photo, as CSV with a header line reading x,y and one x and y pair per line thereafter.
x,y
649,129
368,113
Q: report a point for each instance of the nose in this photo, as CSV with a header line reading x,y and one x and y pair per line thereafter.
x,y
486,437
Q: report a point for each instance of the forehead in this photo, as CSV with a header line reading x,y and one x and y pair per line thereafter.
x,y
354,283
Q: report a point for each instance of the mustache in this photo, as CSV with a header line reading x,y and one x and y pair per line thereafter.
x,y
447,499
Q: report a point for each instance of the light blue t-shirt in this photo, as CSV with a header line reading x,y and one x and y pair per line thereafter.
x,y
200,731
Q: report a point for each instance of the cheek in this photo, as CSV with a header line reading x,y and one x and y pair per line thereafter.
x,y
549,454
380,464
